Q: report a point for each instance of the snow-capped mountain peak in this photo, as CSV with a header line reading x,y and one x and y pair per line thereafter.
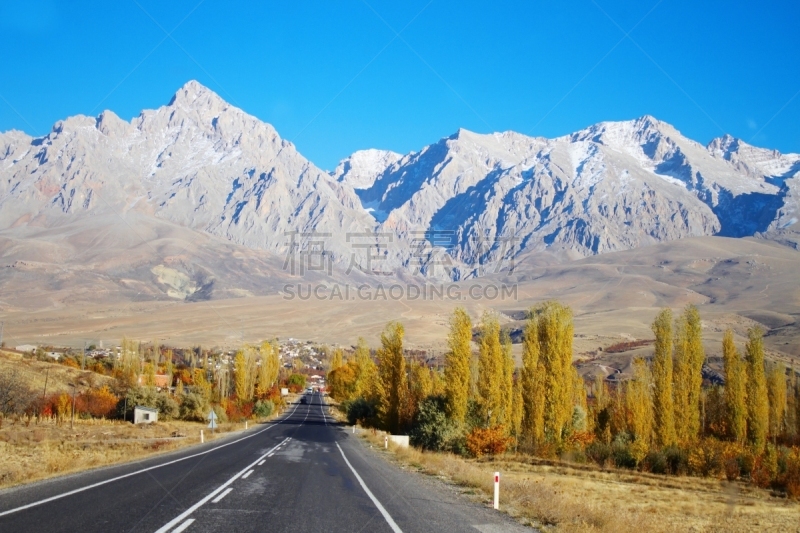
x,y
479,199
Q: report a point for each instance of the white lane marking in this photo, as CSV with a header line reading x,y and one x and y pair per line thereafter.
x,y
247,475
183,526
100,483
219,489
224,493
321,410
262,462
386,515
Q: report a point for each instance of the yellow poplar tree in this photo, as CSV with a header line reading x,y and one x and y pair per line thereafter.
x,y
393,381
757,396
169,368
579,401
337,359
457,364
507,383
420,386
149,375
663,402
517,407
639,404
532,377
735,389
791,404
240,375
490,372
696,358
555,333
776,387
688,377
366,371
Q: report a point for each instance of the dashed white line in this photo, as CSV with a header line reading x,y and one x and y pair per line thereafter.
x,y
95,485
224,493
169,525
183,526
247,475
262,462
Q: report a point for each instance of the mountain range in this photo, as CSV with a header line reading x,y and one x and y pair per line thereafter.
x,y
197,195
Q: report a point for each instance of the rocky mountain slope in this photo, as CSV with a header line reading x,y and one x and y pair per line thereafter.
x,y
464,206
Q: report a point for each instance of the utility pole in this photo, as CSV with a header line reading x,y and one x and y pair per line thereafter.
x,y
1,332
72,420
46,375
83,361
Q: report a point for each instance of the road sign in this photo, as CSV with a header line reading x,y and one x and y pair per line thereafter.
x,y
212,416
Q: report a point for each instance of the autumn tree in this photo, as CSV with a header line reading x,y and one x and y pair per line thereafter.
x,y
342,382
688,378
240,376
532,387
757,396
517,409
457,365
420,386
776,391
663,402
366,371
639,404
735,389
555,331
491,372
337,359
791,405
392,379
268,368
507,382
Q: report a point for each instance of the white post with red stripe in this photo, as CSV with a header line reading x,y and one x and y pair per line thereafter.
x,y
497,490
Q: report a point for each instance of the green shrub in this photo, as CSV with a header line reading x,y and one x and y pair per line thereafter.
x,y
431,428
263,408
194,407
656,462
677,460
167,407
599,452
361,411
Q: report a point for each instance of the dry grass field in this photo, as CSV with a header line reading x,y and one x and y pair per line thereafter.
x,y
615,296
578,498
33,451
38,373
29,452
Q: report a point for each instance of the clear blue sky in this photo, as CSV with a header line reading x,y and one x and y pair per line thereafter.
x,y
333,76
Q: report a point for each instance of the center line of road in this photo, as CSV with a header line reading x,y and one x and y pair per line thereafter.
x,y
247,475
98,484
219,498
262,462
384,512
169,525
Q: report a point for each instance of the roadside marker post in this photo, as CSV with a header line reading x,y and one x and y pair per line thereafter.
x,y
202,440
386,442
497,490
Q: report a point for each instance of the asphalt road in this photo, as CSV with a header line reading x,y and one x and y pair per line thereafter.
x,y
300,473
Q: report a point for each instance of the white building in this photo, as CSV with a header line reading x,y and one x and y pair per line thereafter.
x,y
144,415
